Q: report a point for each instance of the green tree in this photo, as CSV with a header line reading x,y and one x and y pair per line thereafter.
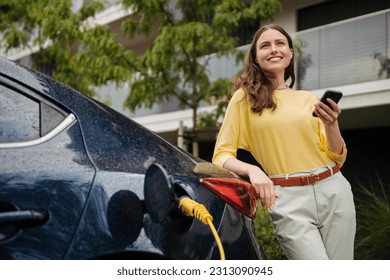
x,y
68,47
64,43
176,64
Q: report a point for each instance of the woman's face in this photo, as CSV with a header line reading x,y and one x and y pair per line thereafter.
x,y
273,53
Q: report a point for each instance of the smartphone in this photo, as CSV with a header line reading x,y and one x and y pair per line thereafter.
x,y
332,94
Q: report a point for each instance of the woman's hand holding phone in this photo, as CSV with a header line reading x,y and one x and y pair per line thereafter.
x,y
329,108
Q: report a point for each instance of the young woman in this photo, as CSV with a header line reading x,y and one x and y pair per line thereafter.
x,y
299,182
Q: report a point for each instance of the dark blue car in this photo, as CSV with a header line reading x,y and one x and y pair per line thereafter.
x,y
79,180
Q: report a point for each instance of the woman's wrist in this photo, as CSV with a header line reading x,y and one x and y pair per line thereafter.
x,y
252,169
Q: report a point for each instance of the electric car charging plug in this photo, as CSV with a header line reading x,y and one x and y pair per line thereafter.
x,y
199,211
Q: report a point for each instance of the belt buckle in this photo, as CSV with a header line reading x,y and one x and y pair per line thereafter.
x,y
317,178
314,176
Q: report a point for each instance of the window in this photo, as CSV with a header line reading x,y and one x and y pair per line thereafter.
x,y
24,117
337,10
19,117
344,53
245,33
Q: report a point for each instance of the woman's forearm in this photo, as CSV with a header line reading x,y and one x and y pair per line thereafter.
x,y
334,138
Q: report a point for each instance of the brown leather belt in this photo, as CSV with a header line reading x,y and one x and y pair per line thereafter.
x,y
305,180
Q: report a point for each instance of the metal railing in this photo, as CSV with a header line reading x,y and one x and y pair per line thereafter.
x,y
344,53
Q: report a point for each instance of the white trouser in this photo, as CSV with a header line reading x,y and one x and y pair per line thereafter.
x,y
316,222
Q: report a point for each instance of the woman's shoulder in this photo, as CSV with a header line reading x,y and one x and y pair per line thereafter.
x,y
239,93
307,93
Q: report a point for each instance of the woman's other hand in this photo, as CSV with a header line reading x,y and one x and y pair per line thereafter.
x,y
264,187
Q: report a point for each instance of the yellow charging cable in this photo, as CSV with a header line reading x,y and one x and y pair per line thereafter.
x,y
199,211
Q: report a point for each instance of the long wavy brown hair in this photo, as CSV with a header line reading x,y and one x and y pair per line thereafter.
x,y
258,88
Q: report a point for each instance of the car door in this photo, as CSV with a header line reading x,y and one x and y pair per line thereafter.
x,y
45,174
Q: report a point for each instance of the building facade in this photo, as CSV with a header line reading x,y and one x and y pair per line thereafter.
x,y
345,46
